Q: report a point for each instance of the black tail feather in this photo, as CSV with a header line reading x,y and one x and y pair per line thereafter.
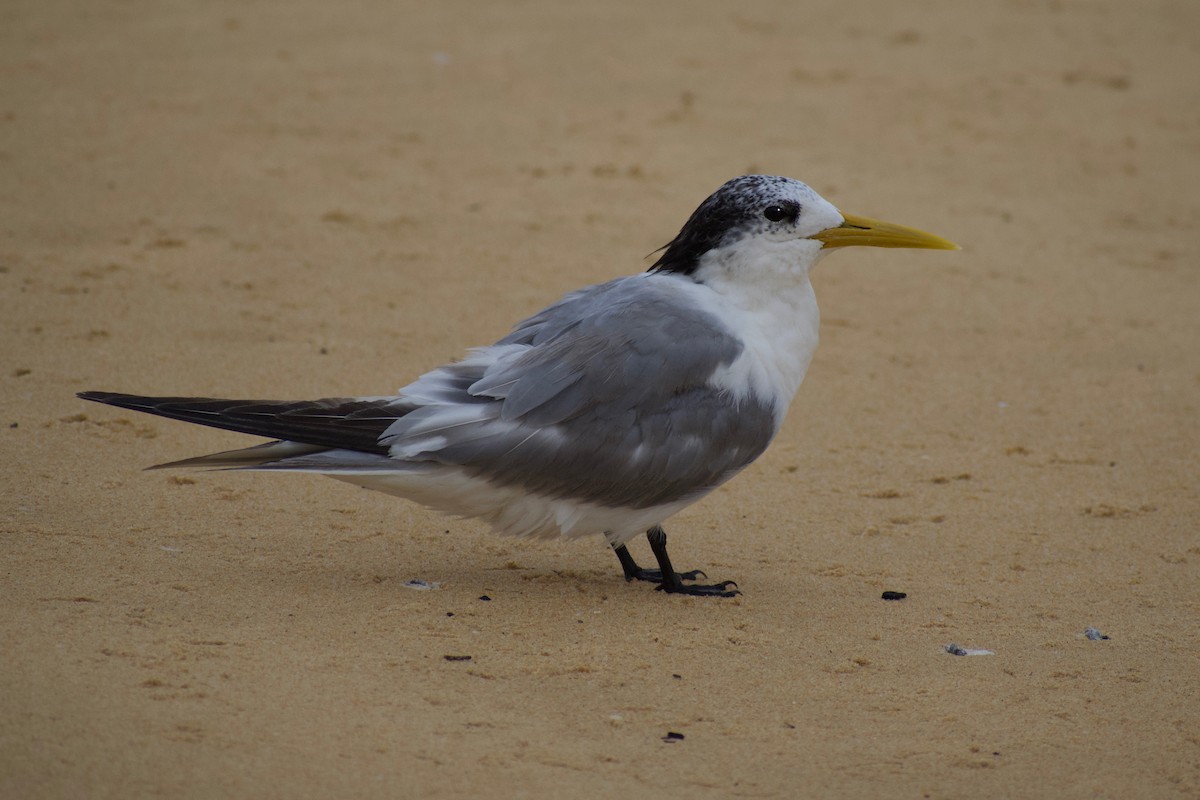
x,y
336,422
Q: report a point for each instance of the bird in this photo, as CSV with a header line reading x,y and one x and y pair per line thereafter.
x,y
604,413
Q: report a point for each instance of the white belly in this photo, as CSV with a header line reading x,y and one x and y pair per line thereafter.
x,y
512,510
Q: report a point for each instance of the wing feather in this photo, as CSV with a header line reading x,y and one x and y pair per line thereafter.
x,y
603,397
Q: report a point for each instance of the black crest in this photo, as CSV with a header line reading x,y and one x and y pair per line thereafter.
x,y
727,212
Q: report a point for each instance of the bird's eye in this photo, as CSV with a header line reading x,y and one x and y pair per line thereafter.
x,y
775,213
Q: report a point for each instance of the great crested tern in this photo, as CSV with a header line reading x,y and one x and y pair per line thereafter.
x,y
604,413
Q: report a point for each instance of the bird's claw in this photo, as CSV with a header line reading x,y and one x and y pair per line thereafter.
x,y
656,576
701,590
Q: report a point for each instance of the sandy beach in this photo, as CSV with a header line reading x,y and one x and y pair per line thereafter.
x,y
298,200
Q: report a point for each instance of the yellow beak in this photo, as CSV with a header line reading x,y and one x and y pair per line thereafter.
x,y
875,233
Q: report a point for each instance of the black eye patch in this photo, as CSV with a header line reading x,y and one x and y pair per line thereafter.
x,y
778,213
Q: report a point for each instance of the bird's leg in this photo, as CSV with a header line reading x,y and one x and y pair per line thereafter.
x,y
630,567
635,573
672,581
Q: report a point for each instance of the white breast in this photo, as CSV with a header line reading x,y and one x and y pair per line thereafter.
x,y
764,295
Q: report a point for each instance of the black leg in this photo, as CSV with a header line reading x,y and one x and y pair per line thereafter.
x,y
665,576
635,573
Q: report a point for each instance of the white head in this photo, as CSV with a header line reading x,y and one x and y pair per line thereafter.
x,y
772,223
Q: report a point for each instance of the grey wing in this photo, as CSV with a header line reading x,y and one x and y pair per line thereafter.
x,y
629,342
603,397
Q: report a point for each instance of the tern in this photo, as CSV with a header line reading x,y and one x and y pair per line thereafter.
x,y
606,412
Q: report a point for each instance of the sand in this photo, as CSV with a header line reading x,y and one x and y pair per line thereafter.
x,y
306,199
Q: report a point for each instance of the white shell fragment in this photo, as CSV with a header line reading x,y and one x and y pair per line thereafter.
x,y
417,583
955,650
